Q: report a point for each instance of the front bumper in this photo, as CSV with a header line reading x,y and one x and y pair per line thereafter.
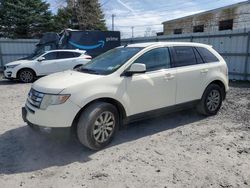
x,y
8,74
54,116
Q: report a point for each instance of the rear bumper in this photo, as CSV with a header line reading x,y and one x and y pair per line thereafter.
x,y
54,116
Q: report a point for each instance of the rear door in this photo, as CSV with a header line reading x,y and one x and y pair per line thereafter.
x,y
67,60
191,73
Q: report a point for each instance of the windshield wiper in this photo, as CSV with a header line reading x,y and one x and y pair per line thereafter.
x,y
90,71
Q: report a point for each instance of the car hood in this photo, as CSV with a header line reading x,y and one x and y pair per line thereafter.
x,y
18,62
56,83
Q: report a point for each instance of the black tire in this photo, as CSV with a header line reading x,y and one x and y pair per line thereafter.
x,y
210,105
88,130
26,75
33,127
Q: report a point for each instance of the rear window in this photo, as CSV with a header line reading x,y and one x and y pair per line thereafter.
x,y
207,56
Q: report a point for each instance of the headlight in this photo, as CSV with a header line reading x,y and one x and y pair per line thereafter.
x,y
11,66
53,100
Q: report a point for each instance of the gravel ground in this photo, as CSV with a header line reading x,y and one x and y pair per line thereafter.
x,y
178,150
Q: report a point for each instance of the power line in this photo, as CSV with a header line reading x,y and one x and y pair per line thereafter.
x,y
191,25
105,3
168,13
197,20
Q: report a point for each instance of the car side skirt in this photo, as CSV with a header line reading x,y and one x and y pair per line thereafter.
x,y
160,112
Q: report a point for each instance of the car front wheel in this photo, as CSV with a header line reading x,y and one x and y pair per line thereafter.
x,y
97,125
26,75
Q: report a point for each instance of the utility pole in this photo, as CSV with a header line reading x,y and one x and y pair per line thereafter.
x,y
132,31
113,22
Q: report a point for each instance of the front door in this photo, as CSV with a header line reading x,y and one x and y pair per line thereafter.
x,y
48,65
154,89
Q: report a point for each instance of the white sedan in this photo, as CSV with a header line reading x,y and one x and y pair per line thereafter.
x,y
45,64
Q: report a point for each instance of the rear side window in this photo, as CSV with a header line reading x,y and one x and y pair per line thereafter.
x,y
184,56
207,56
77,54
155,59
65,55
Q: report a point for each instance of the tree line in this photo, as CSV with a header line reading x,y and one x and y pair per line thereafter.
x,y
31,18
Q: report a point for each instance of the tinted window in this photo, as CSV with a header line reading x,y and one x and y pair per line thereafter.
x,y
155,59
207,56
199,59
65,55
110,61
77,54
50,56
184,56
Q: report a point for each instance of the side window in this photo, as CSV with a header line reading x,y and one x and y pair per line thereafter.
x,y
207,56
77,54
155,59
65,55
199,59
184,56
50,56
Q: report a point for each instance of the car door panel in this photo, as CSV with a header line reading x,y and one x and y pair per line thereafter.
x,y
151,91
49,65
154,89
190,83
191,74
68,60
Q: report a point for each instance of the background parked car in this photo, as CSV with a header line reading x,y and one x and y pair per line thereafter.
x,y
44,64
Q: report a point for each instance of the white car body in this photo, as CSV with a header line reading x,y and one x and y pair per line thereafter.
x,y
42,66
134,95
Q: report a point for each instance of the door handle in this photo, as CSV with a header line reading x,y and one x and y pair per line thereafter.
x,y
169,76
204,70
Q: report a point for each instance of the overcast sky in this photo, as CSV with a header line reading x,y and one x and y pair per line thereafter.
x,y
148,14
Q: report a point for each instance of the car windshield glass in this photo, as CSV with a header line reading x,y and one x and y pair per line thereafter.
x,y
34,56
110,61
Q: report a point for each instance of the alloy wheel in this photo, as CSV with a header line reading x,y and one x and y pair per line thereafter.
x,y
26,76
213,100
104,127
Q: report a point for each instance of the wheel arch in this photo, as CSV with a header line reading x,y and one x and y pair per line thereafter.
x,y
221,84
25,68
117,104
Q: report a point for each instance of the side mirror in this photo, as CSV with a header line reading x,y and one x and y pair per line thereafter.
x,y
136,68
41,59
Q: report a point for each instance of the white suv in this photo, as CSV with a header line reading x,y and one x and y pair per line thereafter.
x,y
43,64
126,84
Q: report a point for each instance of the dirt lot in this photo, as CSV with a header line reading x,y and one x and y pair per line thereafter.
x,y
179,150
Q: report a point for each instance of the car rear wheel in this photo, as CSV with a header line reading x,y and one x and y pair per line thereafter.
x,y
97,125
211,100
26,75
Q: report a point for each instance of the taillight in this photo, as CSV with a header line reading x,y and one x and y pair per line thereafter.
x,y
87,57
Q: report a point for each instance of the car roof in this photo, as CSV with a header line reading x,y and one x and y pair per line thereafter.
x,y
67,50
151,44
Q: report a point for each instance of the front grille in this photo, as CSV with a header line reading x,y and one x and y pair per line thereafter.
x,y
35,98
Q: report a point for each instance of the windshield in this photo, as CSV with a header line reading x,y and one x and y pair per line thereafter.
x,y
32,56
110,61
